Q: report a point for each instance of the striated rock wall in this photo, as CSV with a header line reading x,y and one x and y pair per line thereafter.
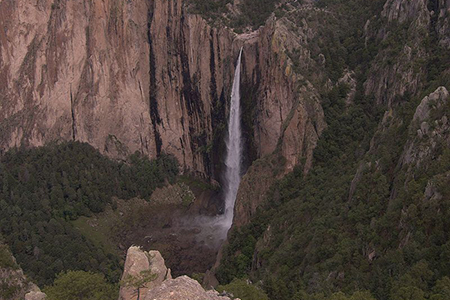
x,y
288,117
403,54
191,65
286,112
75,70
144,76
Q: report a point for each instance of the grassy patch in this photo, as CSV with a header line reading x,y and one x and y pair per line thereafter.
x,y
98,229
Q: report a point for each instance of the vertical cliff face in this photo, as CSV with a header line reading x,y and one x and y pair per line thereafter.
x,y
191,65
144,76
75,70
286,113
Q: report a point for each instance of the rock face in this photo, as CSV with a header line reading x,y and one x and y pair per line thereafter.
x,y
35,295
254,185
161,286
145,76
182,288
288,115
429,129
75,70
286,107
139,265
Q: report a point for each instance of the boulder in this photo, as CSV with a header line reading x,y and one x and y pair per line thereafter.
x,y
35,296
182,288
143,271
146,276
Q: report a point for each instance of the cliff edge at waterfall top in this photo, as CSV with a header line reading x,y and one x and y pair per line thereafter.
x,y
225,149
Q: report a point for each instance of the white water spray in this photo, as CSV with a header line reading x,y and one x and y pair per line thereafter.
x,y
234,148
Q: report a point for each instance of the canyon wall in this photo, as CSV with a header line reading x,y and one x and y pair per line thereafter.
x,y
145,76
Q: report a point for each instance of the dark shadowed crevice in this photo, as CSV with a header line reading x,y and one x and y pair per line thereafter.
x,y
249,96
153,102
190,95
72,110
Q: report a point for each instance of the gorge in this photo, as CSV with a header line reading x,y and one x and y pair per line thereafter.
x,y
320,170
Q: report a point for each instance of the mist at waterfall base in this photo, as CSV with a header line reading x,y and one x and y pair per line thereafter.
x,y
213,230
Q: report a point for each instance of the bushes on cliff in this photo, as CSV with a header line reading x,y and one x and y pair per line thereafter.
x,y
253,13
243,290
42,189
6,259
79,285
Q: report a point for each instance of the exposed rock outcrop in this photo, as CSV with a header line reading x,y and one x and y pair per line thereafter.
x,y
286,106
142,272
403,10
429,130
161,286
35,295
182,287
254,186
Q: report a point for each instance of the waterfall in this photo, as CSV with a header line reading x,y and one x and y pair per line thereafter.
x,y
214,229
234,149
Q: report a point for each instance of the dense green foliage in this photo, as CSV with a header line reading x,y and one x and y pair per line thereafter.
x,y
6,259
243,290
341,38
254,13
325,192
42,189
80,285
360,220
8,287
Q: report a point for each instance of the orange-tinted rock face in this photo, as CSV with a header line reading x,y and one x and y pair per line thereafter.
x,y
75,70
146,76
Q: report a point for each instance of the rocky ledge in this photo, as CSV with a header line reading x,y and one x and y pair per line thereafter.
x,y
146,277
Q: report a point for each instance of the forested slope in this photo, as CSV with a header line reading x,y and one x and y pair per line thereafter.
x,y
373,213
43,189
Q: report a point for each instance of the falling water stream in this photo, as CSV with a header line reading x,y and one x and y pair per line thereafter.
x,y
214,229
234,149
